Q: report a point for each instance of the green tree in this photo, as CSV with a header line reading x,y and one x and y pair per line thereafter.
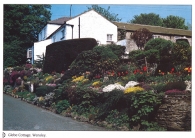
x,y
22,24
174,22
105,12
162,46
147,19
182,53
141,36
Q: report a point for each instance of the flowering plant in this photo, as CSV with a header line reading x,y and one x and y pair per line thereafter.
x,y
111,87
97,84
175,92
78,79
131,84
133,89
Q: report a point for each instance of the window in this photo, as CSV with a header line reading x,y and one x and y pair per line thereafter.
x,y
44,33
62,34
29,53
109,37
40,36
54,38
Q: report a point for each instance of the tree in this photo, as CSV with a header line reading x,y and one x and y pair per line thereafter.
x,y
105,12
174,22
182,53
22,24
141,36
162,46
147,19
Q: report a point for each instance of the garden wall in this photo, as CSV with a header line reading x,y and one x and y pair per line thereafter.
x,y
175,113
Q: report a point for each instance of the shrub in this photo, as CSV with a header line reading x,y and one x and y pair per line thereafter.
x,y
60,55
117,118
43,90
110,101
180,85
175,92
62,105
142,106
160,87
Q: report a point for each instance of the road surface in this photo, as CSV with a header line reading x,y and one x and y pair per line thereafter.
x,y
21,116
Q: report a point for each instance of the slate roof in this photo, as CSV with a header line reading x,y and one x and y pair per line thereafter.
x,y
59,21
153,29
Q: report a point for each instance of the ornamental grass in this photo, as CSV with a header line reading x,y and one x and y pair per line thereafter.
x,y
133,89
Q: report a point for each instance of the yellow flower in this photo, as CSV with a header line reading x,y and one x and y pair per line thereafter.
x,y
84,81
41,98
97,84
133,89
78,79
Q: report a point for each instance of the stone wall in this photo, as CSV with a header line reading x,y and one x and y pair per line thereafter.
x,y
175,113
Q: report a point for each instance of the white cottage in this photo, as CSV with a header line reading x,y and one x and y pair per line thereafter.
x,y
89,24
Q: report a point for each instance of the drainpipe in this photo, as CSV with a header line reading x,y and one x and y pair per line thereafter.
x,y
32,62
79,27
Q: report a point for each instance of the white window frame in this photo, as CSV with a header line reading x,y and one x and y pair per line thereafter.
x,y
109,37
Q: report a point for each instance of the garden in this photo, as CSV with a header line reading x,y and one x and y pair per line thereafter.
x,y
101,88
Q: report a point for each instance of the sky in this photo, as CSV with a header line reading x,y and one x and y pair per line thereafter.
x,y
126,11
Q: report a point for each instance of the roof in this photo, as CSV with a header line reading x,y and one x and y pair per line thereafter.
x,y
153,29
60,21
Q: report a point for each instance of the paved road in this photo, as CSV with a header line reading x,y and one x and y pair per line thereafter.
x,y
21,116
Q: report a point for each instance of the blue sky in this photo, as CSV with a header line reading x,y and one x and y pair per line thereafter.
x,y
127,11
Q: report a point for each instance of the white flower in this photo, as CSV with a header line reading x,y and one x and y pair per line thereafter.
x,y
111,87
189,85
131,84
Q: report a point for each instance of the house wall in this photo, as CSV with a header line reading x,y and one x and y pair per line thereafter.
x,y
40,47
59,36
92,25
47,31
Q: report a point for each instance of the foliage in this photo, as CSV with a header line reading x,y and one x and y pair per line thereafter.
x,y
11,52
110,101
151,126
117,118
40,61
163,46
60,55
147,19
133,90
105,12
182,53
141,36
142,107
22,24
174,22
43,90
160,87
85,61
62,105
180,85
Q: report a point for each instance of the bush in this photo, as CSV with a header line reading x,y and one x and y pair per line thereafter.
x,y
179,85
142,107
60,55
117,118
110,101
62,105
43,90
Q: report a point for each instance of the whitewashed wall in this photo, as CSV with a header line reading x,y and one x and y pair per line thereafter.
x,y
40,47
50,28
58,35
92,25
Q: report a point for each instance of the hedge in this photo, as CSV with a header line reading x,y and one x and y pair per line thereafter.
x,y
60,55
